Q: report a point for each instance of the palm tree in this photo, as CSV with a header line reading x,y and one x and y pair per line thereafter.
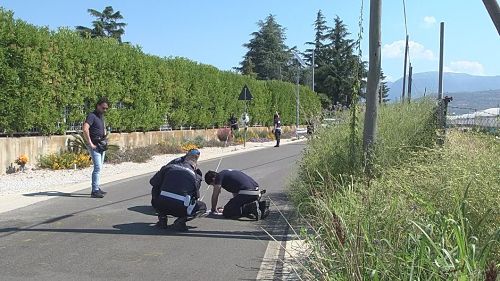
x,y
106,24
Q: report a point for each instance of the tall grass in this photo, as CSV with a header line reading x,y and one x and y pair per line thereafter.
x,y
431,213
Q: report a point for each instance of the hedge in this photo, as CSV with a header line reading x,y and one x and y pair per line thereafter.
x,y
50,79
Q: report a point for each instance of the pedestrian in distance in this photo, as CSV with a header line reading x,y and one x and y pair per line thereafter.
x,y
175,192
246,195
94,132
233,123
277,128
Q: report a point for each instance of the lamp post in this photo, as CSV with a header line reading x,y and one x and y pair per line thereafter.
x,y
299,65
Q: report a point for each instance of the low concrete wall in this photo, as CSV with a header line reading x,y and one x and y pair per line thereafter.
x,y
34,147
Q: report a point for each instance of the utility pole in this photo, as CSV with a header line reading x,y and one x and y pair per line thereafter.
x,y
300,63
494,11
404,71
298,103
441,102
441,55
370,128
313,67
410,79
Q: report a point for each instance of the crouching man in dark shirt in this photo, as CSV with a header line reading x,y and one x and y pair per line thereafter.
x,y
246,195
176,189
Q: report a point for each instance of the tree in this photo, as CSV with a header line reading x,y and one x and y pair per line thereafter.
x,y
337,75
106,24
267,57
320,28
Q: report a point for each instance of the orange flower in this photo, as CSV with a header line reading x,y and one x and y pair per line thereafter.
x,y
22,160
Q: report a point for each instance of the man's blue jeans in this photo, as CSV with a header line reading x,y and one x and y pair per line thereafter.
x,y
98,160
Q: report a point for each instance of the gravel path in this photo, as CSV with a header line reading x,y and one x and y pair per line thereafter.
x,y
38,180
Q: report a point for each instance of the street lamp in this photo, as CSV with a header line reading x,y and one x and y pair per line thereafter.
x,y
300,64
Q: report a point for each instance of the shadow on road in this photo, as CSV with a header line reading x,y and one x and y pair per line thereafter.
x,y
58,194
140,228
143,209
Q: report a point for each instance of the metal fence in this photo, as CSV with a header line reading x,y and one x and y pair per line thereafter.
x,y
487,119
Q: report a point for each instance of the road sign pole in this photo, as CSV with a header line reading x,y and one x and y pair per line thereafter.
x,y
245,121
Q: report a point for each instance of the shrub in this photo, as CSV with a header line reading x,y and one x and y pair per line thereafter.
x,y
224,134
214,143
198,141
65,160
166,148
135,155
22,160
62,72
259,140
263,134
188,146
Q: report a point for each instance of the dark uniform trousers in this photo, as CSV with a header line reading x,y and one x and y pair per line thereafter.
x,y
237,207
168,206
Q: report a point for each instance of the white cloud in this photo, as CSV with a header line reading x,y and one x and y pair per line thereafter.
x,y
429,21
396,50
464,66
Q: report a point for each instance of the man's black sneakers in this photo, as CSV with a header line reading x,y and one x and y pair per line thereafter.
x,y
103,192
162,222
180,224
254,211
97,194
264,209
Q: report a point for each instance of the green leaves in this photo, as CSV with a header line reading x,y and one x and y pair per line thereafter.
x,y
50,78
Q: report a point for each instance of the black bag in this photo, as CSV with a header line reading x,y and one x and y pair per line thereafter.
x,y
102,145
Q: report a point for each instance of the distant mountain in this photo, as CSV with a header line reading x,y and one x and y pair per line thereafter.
x,y
470,102
453,83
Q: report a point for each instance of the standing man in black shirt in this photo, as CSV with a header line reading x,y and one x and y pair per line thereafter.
x,y
246,194
94,132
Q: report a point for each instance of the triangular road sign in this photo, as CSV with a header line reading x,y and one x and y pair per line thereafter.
x,y
245,94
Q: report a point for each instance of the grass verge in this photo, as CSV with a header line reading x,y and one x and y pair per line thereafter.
x,y
431,213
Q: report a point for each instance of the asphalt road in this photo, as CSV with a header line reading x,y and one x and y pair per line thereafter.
x,y
74,237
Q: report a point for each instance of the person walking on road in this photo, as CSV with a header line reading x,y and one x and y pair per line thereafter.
x,y
94,132
277,128
246,195
175,192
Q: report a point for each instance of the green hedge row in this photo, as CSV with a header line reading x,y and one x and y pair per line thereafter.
x,y
49,79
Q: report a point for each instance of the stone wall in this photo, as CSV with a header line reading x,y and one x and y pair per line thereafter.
x,y
11,148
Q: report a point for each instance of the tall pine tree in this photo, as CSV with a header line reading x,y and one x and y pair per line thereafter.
x,y
337,75
267,57
318,46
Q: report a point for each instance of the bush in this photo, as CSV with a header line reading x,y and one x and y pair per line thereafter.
x,y
287,133
188,146
65,160
214,143
259,140
263,134
166,148
45,73
224,134
198,141
135,155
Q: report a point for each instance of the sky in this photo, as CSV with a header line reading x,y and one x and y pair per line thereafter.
x,y
213,31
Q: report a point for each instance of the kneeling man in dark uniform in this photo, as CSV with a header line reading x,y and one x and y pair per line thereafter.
x,y
246,195
176,188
